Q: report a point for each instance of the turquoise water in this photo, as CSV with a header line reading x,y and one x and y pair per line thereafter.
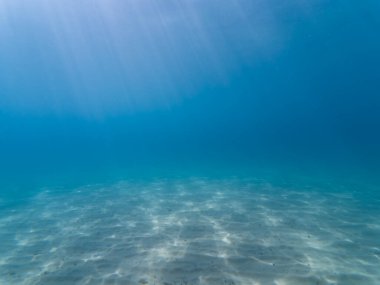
x,y
189,142
194,230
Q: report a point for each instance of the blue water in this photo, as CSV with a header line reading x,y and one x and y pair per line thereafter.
x,y
189,142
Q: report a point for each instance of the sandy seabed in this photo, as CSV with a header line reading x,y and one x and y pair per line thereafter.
x,y
190,231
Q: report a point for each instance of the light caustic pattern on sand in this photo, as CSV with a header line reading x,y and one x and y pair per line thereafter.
x,y
190,231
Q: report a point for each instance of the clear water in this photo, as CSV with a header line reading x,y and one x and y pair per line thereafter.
x,y
189,142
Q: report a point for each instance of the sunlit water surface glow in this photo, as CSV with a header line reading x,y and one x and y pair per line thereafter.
x,y
98,58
